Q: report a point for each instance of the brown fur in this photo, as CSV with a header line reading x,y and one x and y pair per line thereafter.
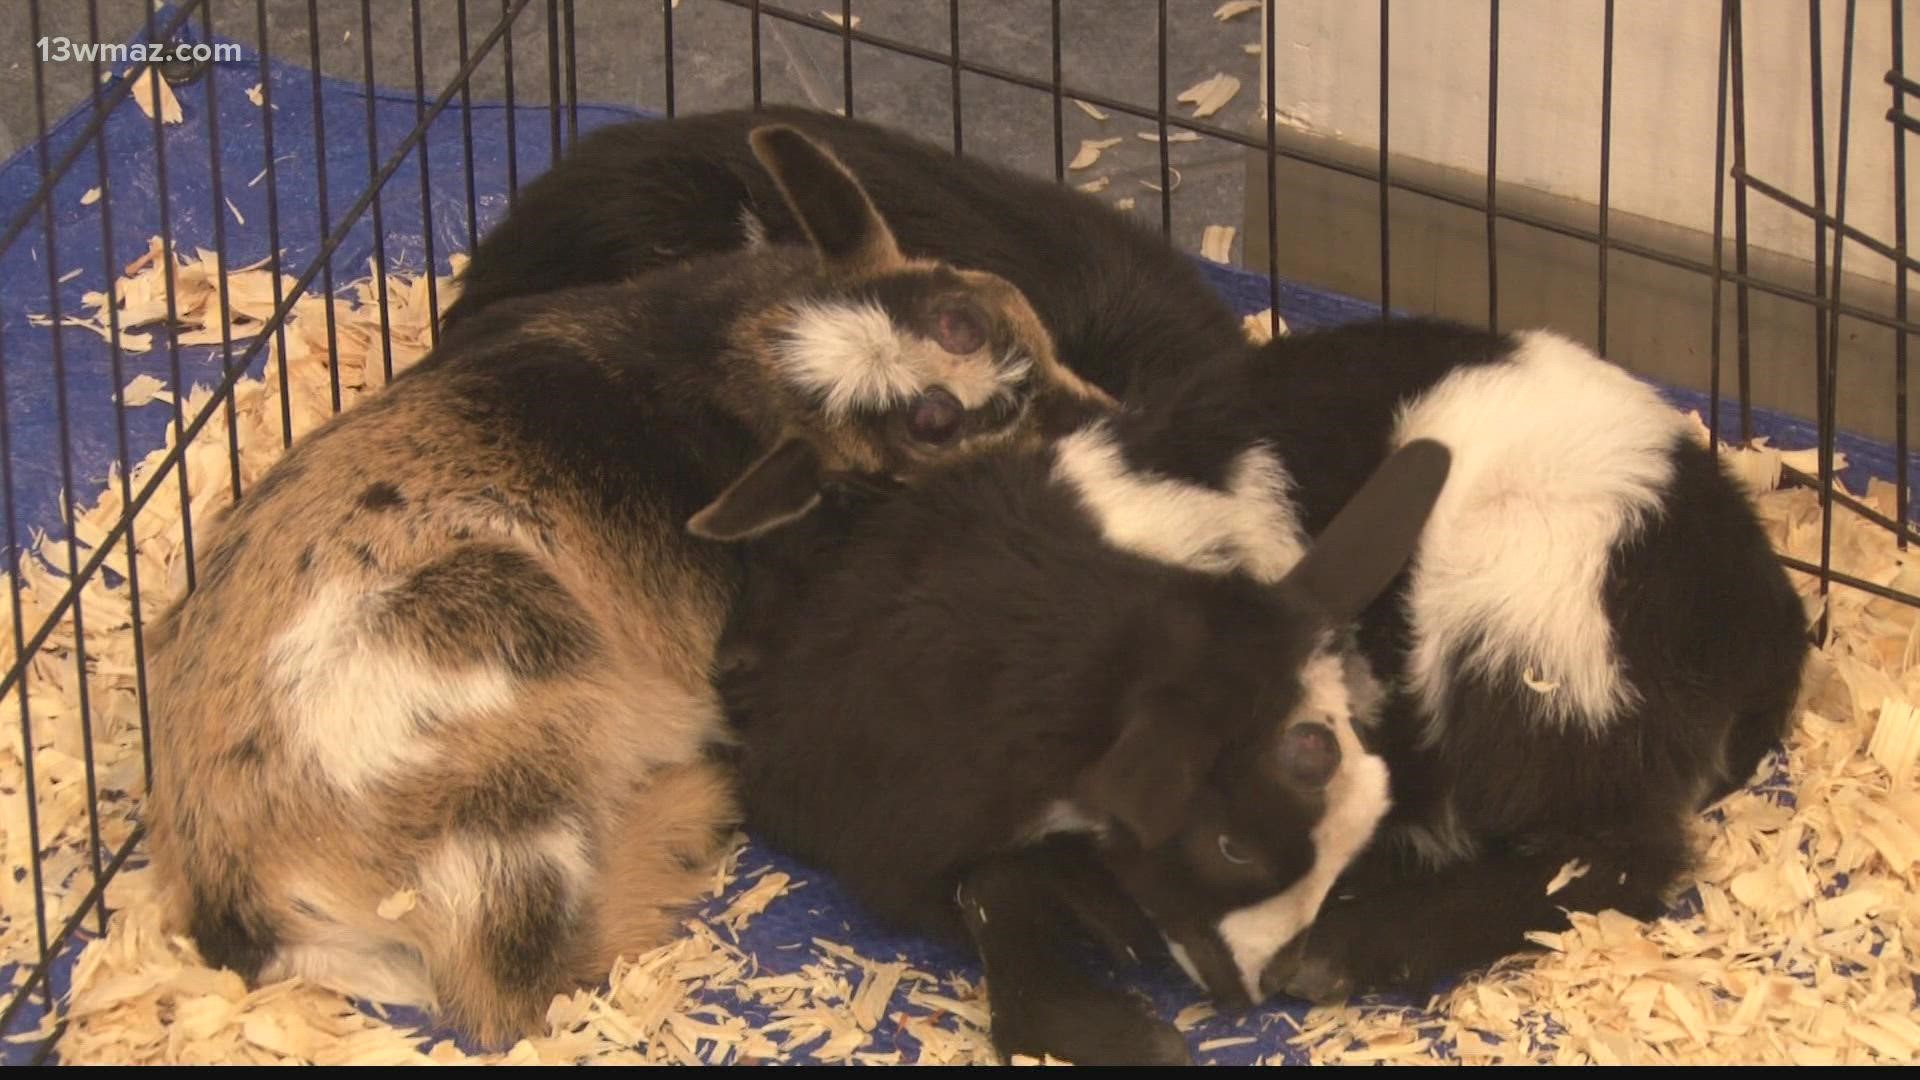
x,y
460,642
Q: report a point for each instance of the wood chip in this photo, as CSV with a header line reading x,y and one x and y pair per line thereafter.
x,y
1209,96
235,211
1093,186
1259,327
1172,136
145,86
1125,202
142,389
1537,684
834,18
1896,740
1090,109
1216,243
1233,9
254,95
1174,176
398,904
1090,151
1573,871
91,196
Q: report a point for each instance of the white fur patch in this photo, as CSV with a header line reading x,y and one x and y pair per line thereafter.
x,y
1251,526
854,357
1558,456
355,705
358,967
465,868
752,230
1062,817
344,950
1179,954
1357,798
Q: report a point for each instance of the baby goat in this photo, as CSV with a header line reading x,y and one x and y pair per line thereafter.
x,y
1104,651
1123,306
979,691
457,645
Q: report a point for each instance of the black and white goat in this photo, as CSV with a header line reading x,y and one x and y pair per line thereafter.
x,y
1593,642
1105,676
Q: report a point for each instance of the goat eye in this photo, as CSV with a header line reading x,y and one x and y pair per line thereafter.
x,y
934,417
1232,853
960,330
1310,754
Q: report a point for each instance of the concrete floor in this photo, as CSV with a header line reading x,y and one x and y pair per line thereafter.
x,y
1108,47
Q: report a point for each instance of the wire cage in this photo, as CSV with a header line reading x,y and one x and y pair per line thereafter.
x,y
259,130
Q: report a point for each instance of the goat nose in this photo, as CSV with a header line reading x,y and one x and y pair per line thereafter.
x,y
1309,753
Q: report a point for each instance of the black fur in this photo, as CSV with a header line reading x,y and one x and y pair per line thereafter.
x,y
914,701
973,655
515,797
382,496
230,935
1708,629
481,605
1123,306
523,924
363,554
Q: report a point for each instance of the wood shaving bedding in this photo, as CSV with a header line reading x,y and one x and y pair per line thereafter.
x,y
1090,151
153,94
1259,326
1794,944
1209,95
1216,244
1181,135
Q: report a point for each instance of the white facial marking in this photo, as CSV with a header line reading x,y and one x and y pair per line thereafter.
x,y
1251,526
1357,798
853,357
1558,456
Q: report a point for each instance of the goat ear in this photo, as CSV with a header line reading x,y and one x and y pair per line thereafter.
x,y
1372,537
782,487
1146,779
828,201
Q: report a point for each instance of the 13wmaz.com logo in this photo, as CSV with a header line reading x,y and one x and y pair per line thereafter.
x,y
62,50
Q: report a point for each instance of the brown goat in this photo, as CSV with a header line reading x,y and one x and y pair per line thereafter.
x,y
460,641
